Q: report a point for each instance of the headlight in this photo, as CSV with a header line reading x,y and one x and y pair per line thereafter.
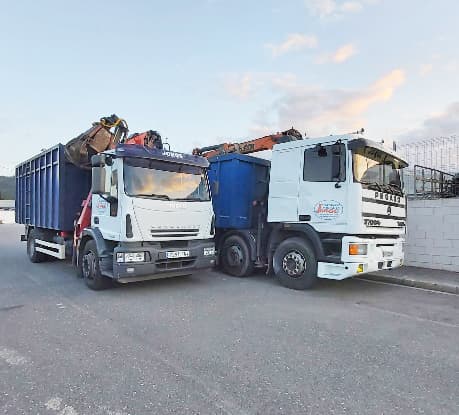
x,y
209,251
130,257
358,249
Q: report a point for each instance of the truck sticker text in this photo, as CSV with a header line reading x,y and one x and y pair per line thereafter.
x,y
173,154
328,210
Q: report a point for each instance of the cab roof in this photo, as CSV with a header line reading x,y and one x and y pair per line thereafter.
x,y
133,150
354,141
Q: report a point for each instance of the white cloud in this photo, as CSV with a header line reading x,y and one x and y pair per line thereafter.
x,y
246,85
341,55
294,42
239,86
425,69
444,124
326,111
335,8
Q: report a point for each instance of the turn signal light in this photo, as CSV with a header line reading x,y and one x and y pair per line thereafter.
x,y
358,249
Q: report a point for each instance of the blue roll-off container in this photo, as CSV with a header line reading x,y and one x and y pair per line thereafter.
x,y
50,190
236,181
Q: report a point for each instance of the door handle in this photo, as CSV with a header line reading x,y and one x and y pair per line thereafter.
x,y
305,218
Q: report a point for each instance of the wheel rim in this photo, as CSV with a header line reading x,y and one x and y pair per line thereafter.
x,y
294,264
89,264
234,256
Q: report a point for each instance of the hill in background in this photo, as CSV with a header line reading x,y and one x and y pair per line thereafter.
x,y
7,187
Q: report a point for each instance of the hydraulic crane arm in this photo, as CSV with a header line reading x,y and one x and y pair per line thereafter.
x,y
252,146
105,134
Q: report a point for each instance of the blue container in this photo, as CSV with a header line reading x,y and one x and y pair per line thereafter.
x,y
50,190
236,181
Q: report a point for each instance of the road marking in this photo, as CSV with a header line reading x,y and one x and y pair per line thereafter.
x,y
398,314
12,357
57,405
54,404
109,411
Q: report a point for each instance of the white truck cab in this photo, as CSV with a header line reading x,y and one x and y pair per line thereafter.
x,y
151,214
344,193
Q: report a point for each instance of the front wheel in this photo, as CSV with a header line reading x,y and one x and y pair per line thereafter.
x,y
235,256
295,264
32,252
90,268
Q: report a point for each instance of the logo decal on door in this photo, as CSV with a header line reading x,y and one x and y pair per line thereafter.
x,y
328,210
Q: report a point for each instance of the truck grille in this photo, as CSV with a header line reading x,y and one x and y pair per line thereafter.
x,y
173,233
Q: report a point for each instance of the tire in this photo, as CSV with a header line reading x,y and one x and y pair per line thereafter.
x,y
295,264
32,253
235,257
90,269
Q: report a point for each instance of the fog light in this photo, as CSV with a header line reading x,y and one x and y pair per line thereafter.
x,y
359,268
358,249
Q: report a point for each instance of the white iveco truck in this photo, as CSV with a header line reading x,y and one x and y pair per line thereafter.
x,y
148,214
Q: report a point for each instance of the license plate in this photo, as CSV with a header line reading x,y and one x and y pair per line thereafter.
x,y
177,254
387,253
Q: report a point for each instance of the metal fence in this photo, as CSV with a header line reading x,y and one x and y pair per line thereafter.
x,y
433,166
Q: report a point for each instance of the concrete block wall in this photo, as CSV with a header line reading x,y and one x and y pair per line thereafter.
x,y
433,234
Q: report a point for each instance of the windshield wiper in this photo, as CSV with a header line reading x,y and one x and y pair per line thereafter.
x,y
154,195
374,184
395,188
191,199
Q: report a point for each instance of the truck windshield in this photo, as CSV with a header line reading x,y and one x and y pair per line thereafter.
x,y
377,170
164,180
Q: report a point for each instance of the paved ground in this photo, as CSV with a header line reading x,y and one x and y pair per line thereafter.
x,y
212,344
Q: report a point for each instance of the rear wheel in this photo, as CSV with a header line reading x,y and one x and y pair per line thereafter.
x,y
295,264
90,268
32,252
235,256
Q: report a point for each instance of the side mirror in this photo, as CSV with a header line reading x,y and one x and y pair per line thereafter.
x,y
98,181
337,157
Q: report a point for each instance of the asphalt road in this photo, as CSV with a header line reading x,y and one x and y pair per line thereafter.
x,y
212,344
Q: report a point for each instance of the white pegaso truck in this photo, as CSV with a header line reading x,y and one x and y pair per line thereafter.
x,y
329,207
148,213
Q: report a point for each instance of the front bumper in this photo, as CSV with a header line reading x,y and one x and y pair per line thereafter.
x,y
157,265
384,253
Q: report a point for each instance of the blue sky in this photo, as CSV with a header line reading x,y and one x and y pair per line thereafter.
x,y
213,70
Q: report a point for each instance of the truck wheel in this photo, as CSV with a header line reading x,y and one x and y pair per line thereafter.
x,y
90,268
235,257
295,264
32,252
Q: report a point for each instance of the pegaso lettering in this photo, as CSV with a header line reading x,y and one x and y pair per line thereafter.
x,y
387,196
173,154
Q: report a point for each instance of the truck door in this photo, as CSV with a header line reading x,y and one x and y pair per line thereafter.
x,y
322,189
106,210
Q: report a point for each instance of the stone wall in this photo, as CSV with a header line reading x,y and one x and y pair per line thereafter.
x,y
433,234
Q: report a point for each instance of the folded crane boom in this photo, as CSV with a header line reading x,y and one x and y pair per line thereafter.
x,y
252,146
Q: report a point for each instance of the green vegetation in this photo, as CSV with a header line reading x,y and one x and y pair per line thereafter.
x,y
7,187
